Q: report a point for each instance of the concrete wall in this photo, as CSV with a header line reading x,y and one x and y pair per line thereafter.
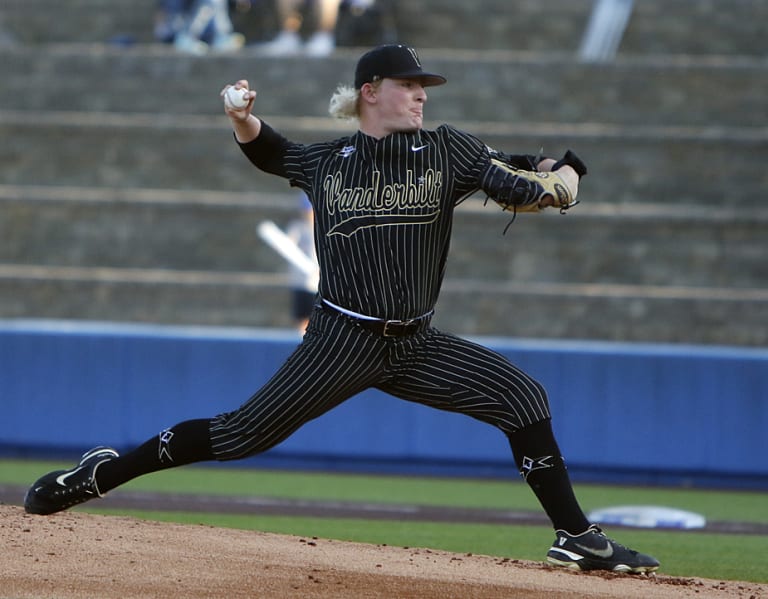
x,y
623,413
143,210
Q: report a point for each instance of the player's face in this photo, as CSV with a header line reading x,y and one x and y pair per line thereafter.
x,y
400,104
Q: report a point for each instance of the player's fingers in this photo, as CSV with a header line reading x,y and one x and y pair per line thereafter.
x,y
239,84
568,176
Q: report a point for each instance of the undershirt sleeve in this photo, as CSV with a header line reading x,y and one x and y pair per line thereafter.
x,y
267,152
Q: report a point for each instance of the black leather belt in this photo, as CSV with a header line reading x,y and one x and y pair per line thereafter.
x,y
385,328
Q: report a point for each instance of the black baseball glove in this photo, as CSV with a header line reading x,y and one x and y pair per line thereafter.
x,y
520,190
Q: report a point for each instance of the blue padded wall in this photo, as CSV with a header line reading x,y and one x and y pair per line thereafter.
x,y
647,413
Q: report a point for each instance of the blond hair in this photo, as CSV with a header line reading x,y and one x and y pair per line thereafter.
x,y
344,103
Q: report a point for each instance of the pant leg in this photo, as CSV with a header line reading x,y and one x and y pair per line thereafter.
x,y
222,23
335,361
449,373
200,17
457,375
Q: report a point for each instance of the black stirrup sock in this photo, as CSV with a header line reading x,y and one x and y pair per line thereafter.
x,y
538,458
184,443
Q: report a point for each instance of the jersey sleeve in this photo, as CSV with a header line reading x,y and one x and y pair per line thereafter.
x,y
272,153
268,151
469,157
472,156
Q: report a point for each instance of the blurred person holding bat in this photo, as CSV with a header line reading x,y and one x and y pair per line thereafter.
x,y
297,245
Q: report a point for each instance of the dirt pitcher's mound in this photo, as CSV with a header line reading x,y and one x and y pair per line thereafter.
x,y
82,555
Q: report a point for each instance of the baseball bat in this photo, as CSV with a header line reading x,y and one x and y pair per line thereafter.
x,y
276,238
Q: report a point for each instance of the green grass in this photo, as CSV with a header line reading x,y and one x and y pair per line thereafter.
x,y
730,557
449,492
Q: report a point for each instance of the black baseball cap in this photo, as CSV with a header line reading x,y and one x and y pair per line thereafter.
x,y
394,61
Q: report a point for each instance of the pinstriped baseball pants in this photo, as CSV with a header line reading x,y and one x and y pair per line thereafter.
x,y
337,359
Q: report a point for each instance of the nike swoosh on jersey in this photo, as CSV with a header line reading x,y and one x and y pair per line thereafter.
x,y
604,553
417,148
62,478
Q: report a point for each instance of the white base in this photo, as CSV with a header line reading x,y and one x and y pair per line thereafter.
x,y
647,516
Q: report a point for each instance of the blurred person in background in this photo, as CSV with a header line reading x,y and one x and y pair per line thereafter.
x,y
289,42
303,284
366,23
197,26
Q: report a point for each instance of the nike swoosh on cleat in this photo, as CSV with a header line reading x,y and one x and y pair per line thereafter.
x,y
604,553
417,148
62,478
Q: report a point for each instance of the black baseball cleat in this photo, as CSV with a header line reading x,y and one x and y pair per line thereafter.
x,y
592,550
61,489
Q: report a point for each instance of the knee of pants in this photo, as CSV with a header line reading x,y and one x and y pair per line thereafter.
x,y
234,437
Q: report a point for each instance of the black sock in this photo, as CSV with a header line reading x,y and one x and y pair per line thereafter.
x,y
185,443
540,463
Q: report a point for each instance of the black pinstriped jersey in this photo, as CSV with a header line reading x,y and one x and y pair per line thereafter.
x,y
383,210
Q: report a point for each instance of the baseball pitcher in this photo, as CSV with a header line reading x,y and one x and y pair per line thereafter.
x,y
384,200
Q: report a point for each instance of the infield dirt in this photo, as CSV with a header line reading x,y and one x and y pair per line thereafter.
x,y
77,555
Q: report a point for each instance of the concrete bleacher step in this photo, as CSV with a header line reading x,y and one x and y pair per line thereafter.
x,y
145,295
644,126
685,27
646,244
500,87
46,21
468,307
122,200
639,244
658,26
140,228
641,273
610,312
706,167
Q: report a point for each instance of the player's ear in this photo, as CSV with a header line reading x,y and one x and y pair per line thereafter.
x,y
368,92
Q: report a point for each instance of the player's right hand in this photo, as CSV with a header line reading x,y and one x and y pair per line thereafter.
x,y
235,113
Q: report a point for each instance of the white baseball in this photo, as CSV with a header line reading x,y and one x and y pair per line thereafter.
x,y
235,98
